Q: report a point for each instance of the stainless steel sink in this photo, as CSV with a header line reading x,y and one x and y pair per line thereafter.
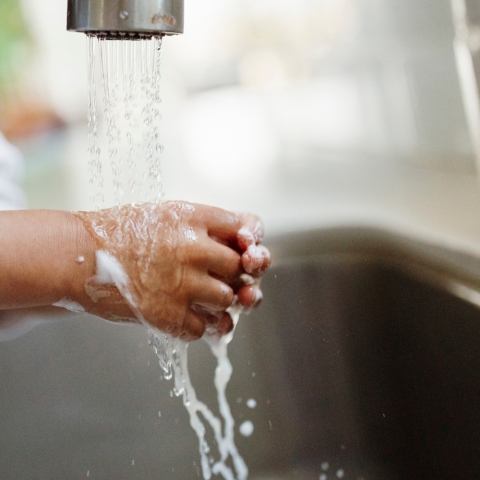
x,y
362,355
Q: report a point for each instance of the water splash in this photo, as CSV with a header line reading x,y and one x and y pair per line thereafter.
x,y
124,119
129,75
173,359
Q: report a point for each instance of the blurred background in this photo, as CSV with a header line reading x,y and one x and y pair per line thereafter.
x,y
305,112
310,113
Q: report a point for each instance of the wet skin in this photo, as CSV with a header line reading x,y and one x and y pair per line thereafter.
x,y
185,263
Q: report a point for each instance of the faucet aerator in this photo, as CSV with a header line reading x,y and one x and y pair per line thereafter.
x,y
125,19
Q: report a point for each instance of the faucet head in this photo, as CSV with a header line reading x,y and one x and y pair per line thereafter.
x,y
125,19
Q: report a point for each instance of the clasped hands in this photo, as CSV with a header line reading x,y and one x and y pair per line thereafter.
x,y
186,264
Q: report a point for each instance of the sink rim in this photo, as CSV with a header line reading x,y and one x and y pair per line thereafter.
x,y
448,268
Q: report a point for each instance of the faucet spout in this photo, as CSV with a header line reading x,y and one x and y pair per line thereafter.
x,y
127,19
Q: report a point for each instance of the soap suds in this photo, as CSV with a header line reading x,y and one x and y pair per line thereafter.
x,y
69,305
257,254
109,270
258,296
247,279
246,234
172,354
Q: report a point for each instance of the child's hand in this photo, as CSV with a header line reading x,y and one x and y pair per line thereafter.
x,y
185,263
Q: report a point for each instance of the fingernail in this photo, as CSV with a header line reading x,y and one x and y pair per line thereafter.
x,y
247,279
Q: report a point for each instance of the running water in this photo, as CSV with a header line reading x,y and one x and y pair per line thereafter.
x,y
129,81
124,85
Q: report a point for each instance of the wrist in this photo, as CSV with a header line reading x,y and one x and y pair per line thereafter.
x,y
82,263
102,300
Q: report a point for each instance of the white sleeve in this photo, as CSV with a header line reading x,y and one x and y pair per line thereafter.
x,y
12,196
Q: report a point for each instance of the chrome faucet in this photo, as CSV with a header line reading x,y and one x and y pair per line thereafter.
x,y
125,19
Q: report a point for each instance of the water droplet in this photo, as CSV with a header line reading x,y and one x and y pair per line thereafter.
x,y
340,473
325,466
124,14
154,173
177,391
246,428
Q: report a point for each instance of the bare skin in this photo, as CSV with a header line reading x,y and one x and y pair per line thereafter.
x,y
185,263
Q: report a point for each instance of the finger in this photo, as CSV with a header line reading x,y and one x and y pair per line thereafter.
x,y
217,323
193,327
220,223
250,296
223,261
256,259
225,324
241,281
212,293
251,232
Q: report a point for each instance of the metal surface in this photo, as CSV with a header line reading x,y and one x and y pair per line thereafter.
x,y
125,18
466,17
359,356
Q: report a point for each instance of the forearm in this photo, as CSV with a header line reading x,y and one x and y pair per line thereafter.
x,y
45,256
183,263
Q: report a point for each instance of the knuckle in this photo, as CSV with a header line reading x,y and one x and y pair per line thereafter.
x,y
192,327
175,326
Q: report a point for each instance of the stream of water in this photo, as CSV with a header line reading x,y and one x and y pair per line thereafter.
x,y
125,146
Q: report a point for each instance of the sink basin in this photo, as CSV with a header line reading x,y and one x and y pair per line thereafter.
x,y
364,361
